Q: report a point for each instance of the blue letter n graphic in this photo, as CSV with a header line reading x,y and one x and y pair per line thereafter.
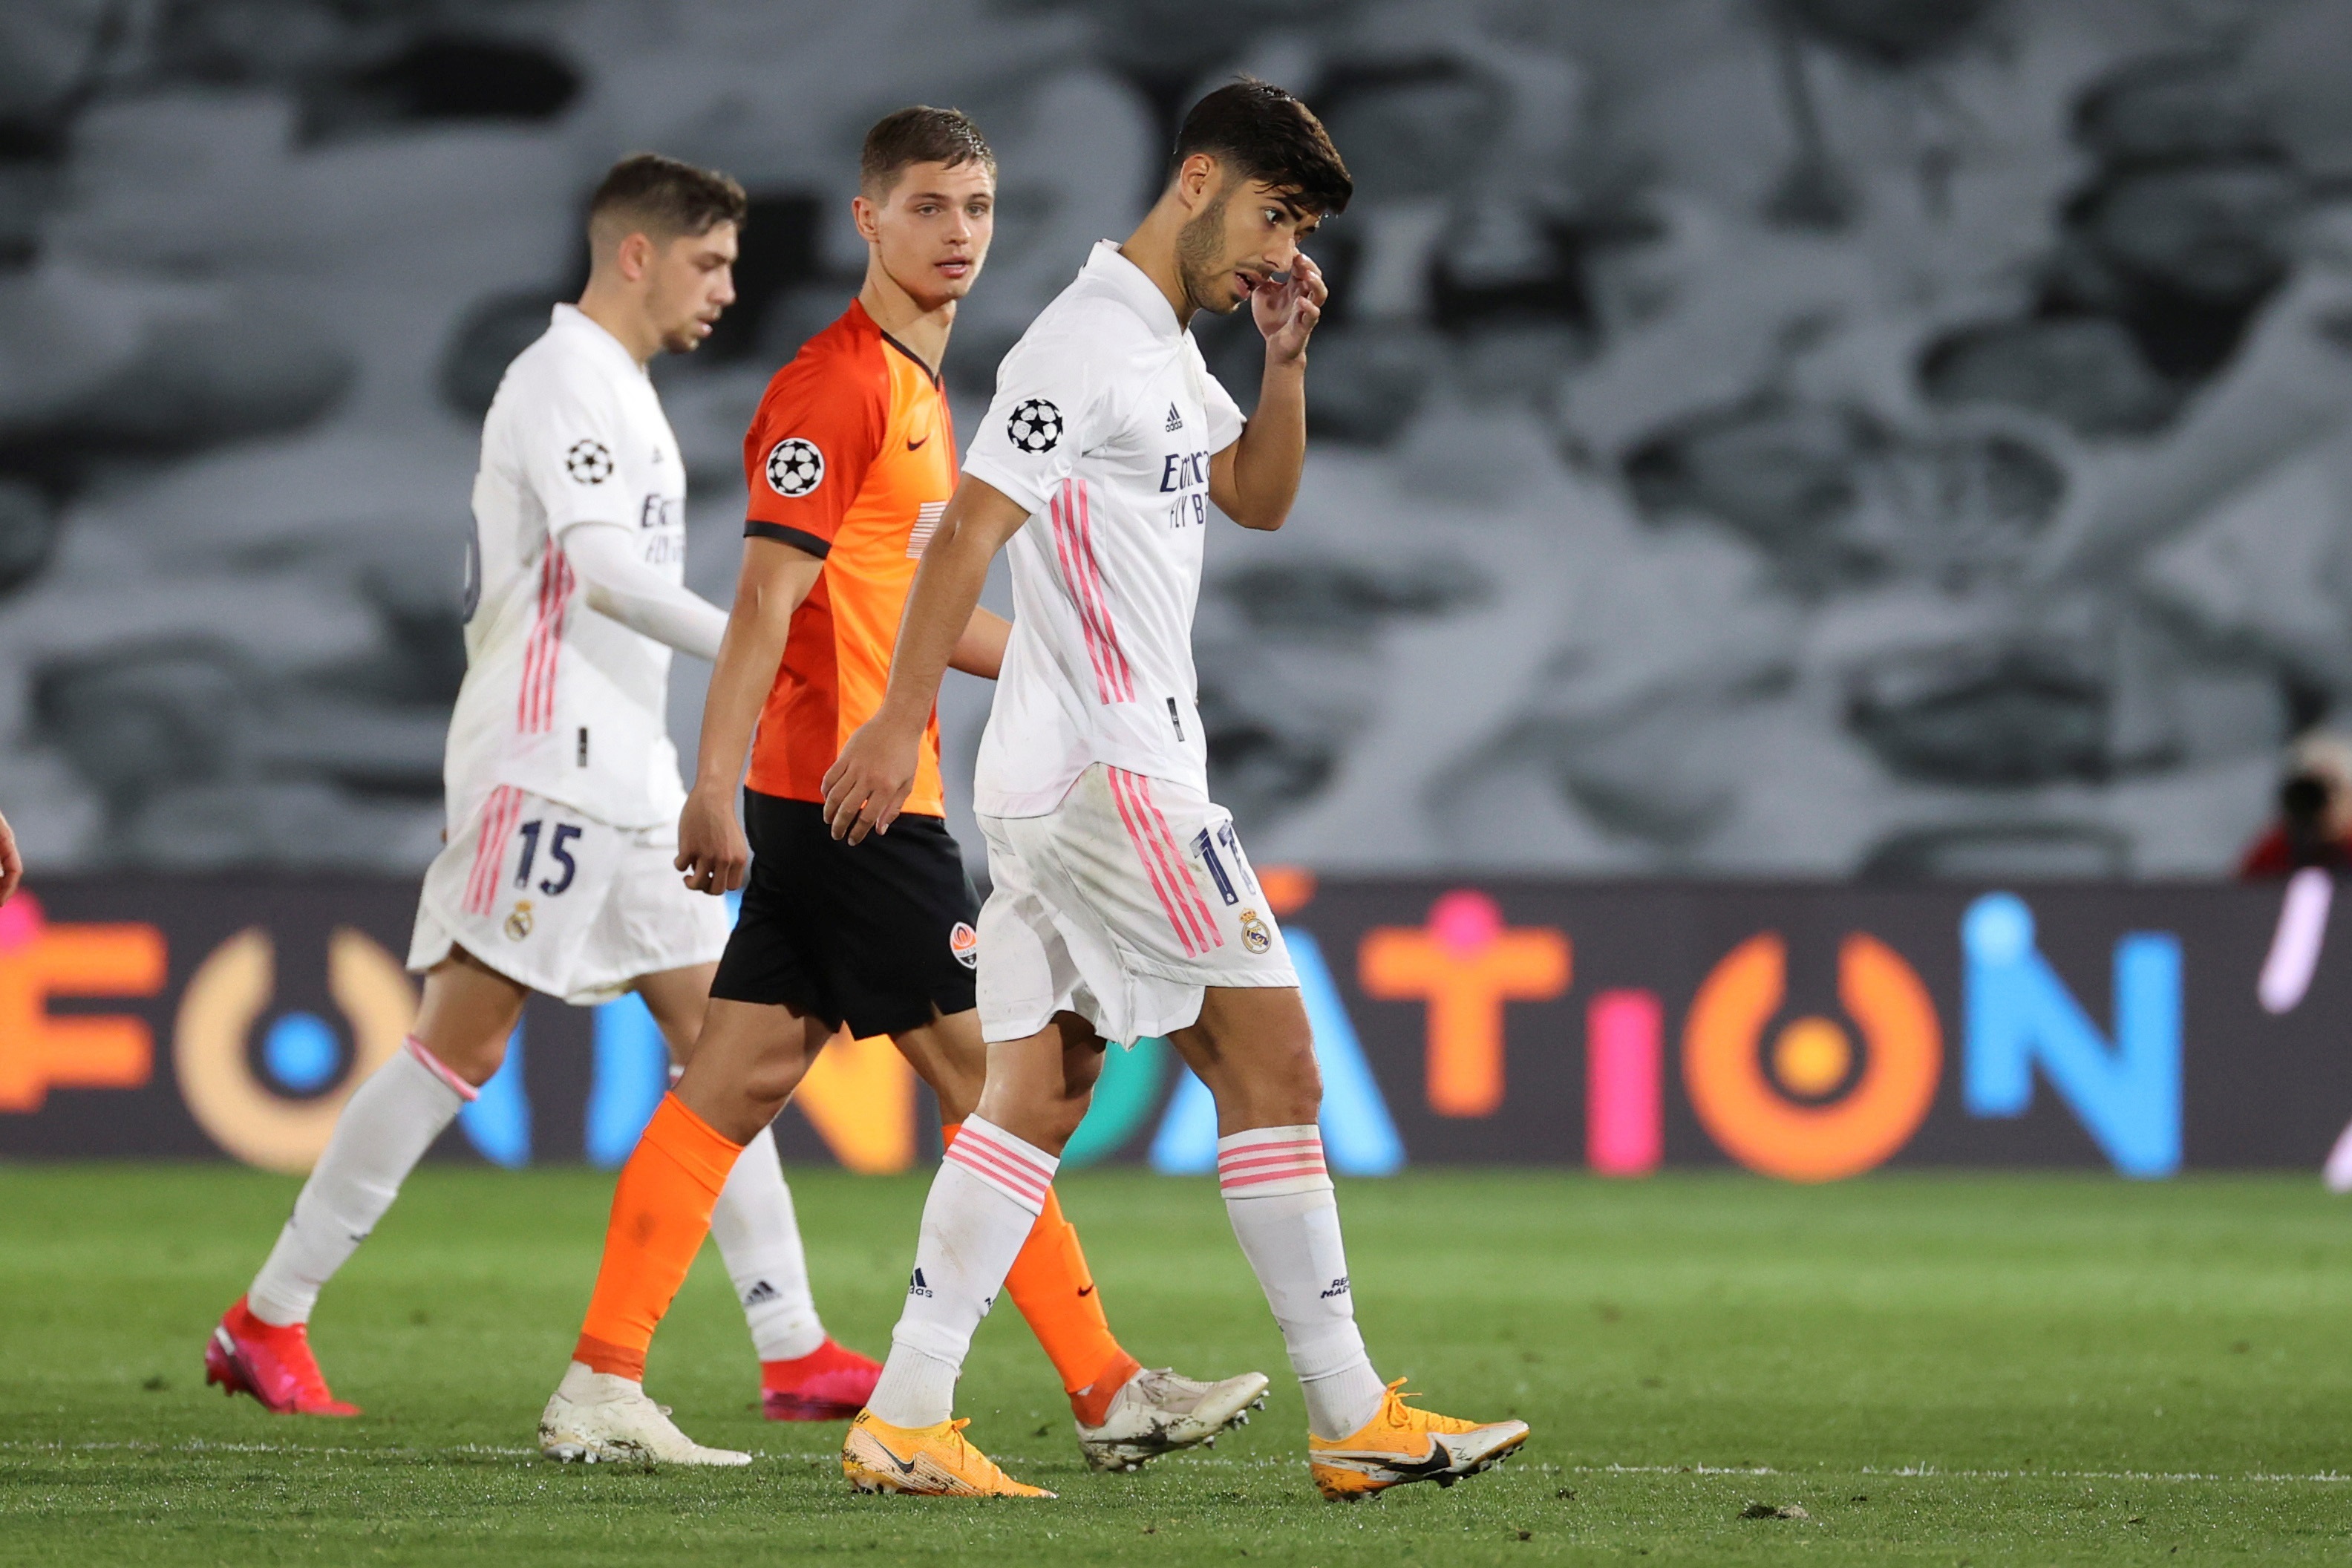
x,y
2019,1013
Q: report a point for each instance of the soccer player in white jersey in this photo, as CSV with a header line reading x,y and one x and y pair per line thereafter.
x,y
563,792
1123,905
848,461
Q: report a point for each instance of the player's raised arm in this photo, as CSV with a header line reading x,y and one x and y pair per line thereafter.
x,y
868,782
1254,480
1222,234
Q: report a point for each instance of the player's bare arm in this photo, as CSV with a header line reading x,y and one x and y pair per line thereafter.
x,y
868,782
1254,480
1219,236
12,864
980,650
711,848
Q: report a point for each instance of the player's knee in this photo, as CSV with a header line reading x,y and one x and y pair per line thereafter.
x,y
476,1062
1299,1081
1282,1084
1063,1117
1082,1068
771,1079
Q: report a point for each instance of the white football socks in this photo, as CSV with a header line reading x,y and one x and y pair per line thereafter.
x,y
394,1118
1286,1218
759,1237
983,1202
388,1122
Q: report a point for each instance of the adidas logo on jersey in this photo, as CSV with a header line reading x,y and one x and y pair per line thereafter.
x,y
762,1292
1175,420
915,1286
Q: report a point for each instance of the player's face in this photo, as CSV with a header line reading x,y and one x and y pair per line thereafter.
x,y
1246,236
932,230
692,280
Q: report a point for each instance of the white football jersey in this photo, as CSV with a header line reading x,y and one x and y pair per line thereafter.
x,y
558,700
1103,426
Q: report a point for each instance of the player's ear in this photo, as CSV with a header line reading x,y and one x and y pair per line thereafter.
x,y
635,256
1196,181
867,216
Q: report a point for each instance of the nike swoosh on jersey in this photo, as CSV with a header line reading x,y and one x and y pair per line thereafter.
x,y
917,445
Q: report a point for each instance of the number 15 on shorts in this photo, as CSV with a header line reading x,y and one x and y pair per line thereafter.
x,y
559,854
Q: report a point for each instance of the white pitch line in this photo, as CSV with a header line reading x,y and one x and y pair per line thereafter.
x,y
1221,1461
1937,1472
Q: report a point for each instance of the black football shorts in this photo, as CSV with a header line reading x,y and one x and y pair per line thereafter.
x,y
877,935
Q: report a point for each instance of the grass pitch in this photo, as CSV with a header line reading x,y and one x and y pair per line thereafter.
x,y
1935,1369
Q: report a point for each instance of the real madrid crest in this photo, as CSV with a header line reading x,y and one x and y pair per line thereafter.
x,y
519,920
1254,936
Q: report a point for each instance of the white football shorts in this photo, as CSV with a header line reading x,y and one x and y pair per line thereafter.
x,y
1122,904
562,902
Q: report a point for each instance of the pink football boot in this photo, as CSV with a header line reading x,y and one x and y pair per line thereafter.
x,y
275,1365
829,1383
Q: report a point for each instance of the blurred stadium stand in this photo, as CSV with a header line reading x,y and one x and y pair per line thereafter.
x,y
1754,437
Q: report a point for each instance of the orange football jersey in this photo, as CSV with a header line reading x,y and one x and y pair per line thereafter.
x,y
852,457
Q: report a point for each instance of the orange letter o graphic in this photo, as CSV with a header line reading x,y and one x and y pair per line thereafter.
x,y
1763,1129
229,991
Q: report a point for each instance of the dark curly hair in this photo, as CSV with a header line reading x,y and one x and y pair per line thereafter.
x,y
1267,134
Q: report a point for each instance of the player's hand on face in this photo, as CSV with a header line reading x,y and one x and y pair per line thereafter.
x,y
869,781
12,865
711,848
1287,311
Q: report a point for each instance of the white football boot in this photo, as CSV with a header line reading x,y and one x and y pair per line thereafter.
x,y
1157,1412
595,1416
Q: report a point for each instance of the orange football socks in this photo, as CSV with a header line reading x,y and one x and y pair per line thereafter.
x,y
1050,1285
661,1212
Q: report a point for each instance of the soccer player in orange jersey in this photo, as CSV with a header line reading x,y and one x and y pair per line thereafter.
x,y
850,460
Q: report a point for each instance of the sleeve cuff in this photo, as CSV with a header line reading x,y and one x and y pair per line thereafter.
x,y
558,527
1017,486
799,538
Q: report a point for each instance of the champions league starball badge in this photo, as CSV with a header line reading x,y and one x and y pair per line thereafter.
x,y
795,466
1035,426
588,462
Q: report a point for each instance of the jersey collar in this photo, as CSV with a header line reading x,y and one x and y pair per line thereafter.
x,y
573,319
864,317
1129,283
